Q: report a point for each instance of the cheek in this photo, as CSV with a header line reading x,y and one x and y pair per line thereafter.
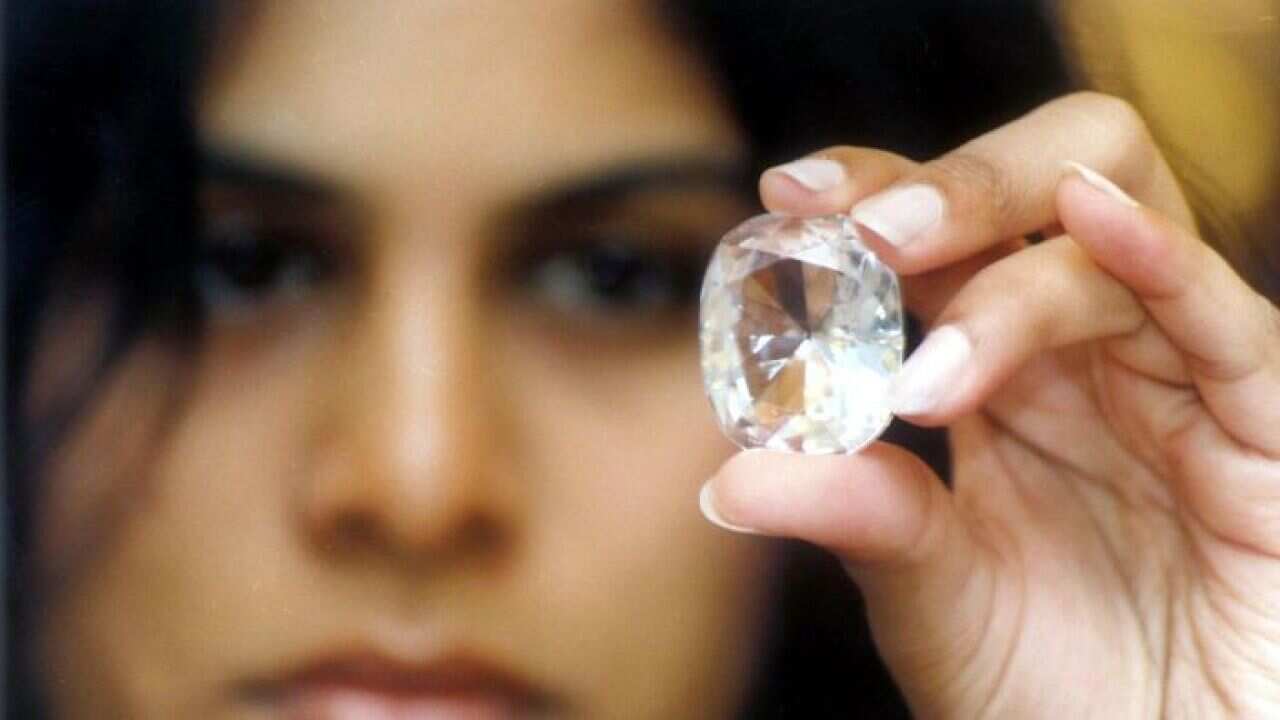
x,y
90,493
89,482
165,517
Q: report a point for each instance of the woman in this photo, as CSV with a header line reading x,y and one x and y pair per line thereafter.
x,y
408,428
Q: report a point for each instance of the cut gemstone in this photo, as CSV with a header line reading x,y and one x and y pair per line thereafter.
x,y
801,330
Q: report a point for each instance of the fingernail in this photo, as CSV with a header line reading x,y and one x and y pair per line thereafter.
x,y
1097,180
931,372
900,215
817,174
707,504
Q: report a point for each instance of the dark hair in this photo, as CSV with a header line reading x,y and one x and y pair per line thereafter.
x,y
101,149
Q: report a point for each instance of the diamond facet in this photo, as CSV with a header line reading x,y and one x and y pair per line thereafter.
x,y
801,330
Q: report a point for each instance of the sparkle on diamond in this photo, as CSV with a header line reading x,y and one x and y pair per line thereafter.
x,y
801,330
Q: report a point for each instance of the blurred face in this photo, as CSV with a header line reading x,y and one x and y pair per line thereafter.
x,y
437,452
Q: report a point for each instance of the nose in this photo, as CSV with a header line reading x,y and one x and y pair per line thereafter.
x,y
403,463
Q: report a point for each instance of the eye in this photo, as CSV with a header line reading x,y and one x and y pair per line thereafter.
x,y
616,275
244,264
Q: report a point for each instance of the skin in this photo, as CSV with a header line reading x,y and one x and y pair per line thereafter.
x,y
1116,458
413,452
1109,545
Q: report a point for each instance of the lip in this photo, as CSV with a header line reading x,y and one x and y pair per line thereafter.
x,y
372,686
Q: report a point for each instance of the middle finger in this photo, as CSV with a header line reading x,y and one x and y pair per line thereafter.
x,y
996,187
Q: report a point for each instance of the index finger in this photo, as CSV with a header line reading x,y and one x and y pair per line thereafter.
x,y
1001,185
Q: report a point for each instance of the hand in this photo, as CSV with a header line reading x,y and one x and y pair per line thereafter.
x,y
1110,547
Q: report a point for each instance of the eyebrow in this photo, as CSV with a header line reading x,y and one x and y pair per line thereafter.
x,y
221,164
601,187
630,177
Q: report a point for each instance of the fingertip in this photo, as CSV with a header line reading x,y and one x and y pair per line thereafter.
x,y
797,189
931,388
866,507
707,503
901,259
781,194
828,181
747,488
1101,183
1135,244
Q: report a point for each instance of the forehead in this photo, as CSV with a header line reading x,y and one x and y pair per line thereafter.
x,y
487,92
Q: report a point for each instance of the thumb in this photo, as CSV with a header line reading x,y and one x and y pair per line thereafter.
x,y
928,584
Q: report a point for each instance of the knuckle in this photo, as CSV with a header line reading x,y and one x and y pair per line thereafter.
x,y
839,153
857,158
1117,112
1126,121
1134,150
977,186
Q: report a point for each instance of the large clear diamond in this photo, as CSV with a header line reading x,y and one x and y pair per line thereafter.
x,y
801,331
